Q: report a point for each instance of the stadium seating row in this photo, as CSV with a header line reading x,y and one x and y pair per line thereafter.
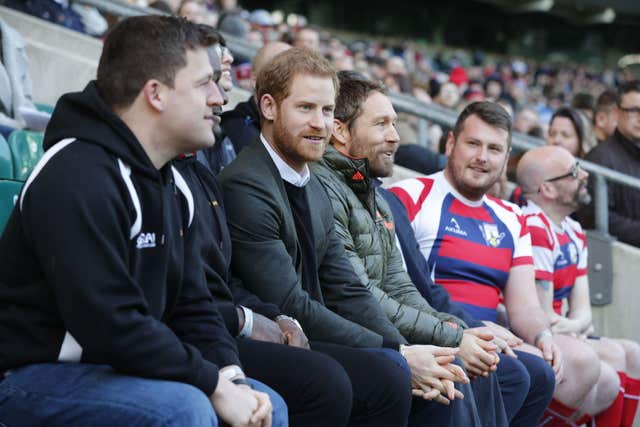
x,y
18,156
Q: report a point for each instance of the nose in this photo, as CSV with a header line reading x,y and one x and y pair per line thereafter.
x,y
215,95
583,174
483,153
316,119
392,135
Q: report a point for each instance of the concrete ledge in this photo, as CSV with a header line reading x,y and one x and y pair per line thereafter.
x,y
621,318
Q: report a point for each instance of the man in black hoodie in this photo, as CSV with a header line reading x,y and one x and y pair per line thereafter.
x,y
98,266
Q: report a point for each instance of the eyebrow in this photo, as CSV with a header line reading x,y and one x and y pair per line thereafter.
x,y
209,76
385,117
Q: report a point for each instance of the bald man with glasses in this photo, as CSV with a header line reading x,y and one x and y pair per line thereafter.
x,y
555,186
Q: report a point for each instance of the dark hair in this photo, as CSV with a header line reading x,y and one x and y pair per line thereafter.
x,y
276,76
162,6
211,35
625,88
355,88
489,112
605,101
141,48
574,117
583,101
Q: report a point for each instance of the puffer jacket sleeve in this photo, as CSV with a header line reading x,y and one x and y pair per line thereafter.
x,y
415,321
402,289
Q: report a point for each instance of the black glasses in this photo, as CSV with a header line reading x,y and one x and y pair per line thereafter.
x,y
630,110
573,173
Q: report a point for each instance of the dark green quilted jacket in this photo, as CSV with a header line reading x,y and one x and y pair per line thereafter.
x,y
364,223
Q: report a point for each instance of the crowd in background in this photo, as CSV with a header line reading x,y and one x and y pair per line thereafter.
x,y
533,92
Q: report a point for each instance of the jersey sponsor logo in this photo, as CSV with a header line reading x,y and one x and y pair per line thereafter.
x,y
561,261
491,234
454,228
146,240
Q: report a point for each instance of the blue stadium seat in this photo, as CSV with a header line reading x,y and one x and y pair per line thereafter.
x,y
26,150
9,193
6,162
45,108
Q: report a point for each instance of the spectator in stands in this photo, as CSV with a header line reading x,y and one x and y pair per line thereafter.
x,y
605,118
164,6
361,150
556,186
479,248
242,124
56,11
526,119
146,343
191,10
566,130
262,24
585,103
621,152
285,249
493,88
226,58
231,22
16,97
221,154
446,95
308,38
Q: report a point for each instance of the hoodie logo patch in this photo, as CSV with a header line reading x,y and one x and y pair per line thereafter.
x,y
146,240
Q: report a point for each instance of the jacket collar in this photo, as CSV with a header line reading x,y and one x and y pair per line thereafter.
x,y
356,175
629,145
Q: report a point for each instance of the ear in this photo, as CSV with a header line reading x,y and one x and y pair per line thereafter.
x,y
449,146
268,106
548,190
341,134
154,93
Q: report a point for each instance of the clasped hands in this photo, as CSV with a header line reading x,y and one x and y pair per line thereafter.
x,y
433,372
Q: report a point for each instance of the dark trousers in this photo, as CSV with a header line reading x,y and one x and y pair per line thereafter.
x,y
332,385
482,406
527,385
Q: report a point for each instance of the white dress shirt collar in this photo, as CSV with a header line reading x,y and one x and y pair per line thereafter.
x,y
287,172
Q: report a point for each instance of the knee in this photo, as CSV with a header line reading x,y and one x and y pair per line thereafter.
x,y
581,365
513,375
395,377
608,384
542,377
614,354
279,408
328,388
187,405
632,357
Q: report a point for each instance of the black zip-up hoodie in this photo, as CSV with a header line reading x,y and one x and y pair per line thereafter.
x,y
97,264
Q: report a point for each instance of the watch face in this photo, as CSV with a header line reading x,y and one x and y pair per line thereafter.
x,y
231,372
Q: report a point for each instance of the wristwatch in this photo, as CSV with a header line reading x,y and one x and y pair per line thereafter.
x,y
247,328
232,372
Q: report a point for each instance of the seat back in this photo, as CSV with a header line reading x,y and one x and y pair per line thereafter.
x,y
26,150
6,162
9,194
